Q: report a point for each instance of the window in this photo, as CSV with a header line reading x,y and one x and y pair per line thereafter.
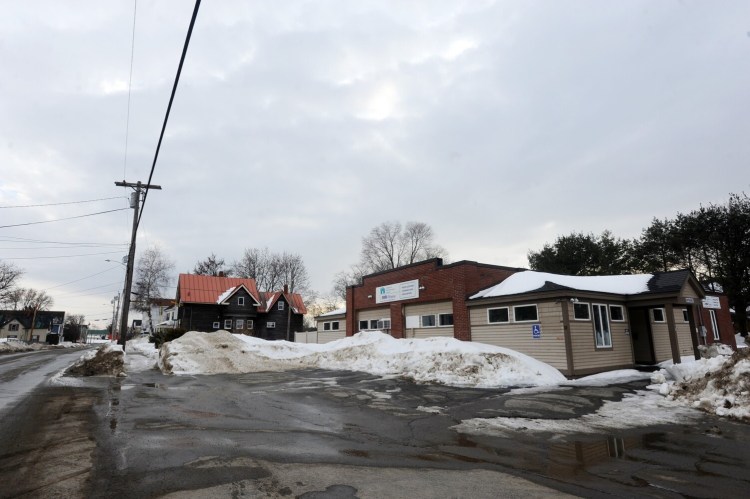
x,y
335,326
714,323
525,313
373,324
581,312
602,333
217,325
270,325
657,314
249,324
362,325
13,327
427,321
240,324
280,305
685,315
616,313
326,326
227,324
12,336
495,315
241,301
445,320
384,324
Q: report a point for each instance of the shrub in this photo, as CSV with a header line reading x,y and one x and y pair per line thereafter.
x,y
159,337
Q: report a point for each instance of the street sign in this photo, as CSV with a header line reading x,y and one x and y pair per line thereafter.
x,y
536,331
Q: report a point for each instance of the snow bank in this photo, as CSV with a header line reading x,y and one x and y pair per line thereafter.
x,y
19,346
107,360
719,384
140,355
432,360
529,280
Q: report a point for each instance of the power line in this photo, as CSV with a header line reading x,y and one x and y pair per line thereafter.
x,y
81,279
169,106
55,247
81,291
59,204
25,239
60,256
61,219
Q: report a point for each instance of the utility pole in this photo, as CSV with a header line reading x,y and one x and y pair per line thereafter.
x,y
115,309
135,201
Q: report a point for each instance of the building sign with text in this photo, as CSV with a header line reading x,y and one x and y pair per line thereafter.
x,y
395,292
711,302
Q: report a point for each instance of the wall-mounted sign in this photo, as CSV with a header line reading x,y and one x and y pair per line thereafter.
x,y
536,331
689,300
395,292
711,302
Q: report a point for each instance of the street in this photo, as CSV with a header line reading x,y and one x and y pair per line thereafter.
x,y
341,434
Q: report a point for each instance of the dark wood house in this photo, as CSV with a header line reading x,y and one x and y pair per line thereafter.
x,y
209,303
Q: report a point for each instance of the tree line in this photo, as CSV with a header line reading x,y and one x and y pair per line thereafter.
x,y
712,241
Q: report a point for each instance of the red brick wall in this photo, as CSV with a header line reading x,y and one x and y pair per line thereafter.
x,y
724,320
453,282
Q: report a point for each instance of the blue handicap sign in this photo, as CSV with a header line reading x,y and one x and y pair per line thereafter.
x,y
536,331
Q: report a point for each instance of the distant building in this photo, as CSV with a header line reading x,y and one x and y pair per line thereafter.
x,y
17,324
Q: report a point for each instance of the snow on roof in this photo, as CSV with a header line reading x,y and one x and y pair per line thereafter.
x,y
525,282
338,311
225,294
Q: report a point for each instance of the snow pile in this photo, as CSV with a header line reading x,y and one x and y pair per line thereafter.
x,y
107,360
524,282
141,355
19,346
719,384
740,340
432,360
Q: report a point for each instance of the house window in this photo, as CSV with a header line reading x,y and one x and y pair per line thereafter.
x,y
384,324
240,324
602,333
616,313
373,324
657,314
581,312
227,324
217,325
326,326
714,323
362,325
249,324
445,320
335,326
685,316
280,305
427,320
495,315
13,327
12,336
241,301
270,325
525,313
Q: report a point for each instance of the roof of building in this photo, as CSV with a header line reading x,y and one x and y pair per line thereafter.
x,y
192,288
43,319
332,313
634,284
293,299
162,302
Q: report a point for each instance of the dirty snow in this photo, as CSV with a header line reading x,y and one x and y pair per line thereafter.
x,y
432,360
718,384
107,360
740,340
140,355
524,282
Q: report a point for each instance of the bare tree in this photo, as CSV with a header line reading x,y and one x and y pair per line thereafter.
x,y
72,327
293,272
153,275
212,265
9,275
36,300
387,246
272,271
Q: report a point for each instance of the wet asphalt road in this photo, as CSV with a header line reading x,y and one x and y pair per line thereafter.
x,y
341,434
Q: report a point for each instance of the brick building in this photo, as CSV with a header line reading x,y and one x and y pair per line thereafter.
x,y
423,299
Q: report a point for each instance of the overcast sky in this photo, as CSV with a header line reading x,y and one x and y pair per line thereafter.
x,y
298,126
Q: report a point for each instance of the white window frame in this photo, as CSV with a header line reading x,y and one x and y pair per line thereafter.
x,y
367,325
588,311
227,324
271,325
373,323
240,324
335,325
507,309
685,315
217,325
663,315
13,327
622,310
384,323
241,301
326,326
440,320
522,306
603,321
714,324
280,305
249,324
422,324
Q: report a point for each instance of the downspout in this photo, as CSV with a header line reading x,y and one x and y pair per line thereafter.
x,y
567,336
